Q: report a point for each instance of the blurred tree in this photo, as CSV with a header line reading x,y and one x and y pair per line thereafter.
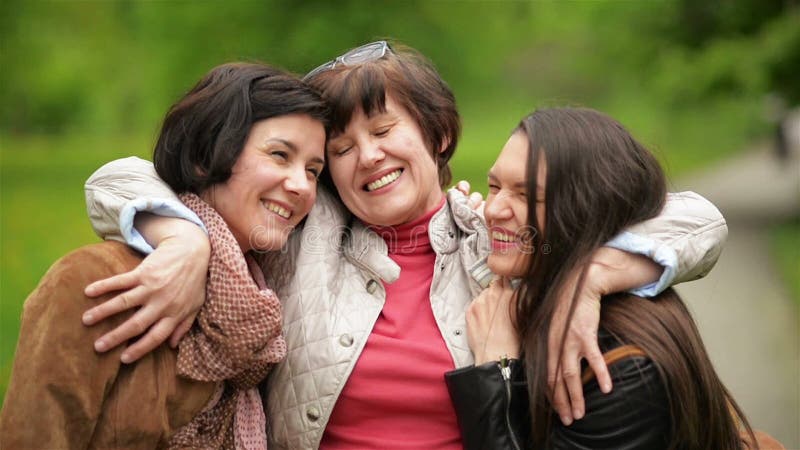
x,y
741,45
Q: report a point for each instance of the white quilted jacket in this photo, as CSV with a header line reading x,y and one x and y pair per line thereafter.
x,y
332,301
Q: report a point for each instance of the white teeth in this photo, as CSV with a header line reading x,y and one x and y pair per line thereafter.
x,y
277,209
383,181
498,236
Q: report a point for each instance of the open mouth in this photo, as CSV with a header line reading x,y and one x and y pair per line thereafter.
x,y
383,181
503,237
277,209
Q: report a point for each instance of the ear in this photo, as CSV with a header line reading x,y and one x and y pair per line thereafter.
x,y
445,144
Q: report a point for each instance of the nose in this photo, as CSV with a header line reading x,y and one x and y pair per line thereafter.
x,y
298,183
370,154
497,207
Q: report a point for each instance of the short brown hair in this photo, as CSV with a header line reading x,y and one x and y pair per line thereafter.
x,y
413,81
204,133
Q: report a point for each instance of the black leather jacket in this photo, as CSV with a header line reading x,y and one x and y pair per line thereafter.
x,y
493,409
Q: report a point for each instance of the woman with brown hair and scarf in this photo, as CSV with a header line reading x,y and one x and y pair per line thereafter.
x,y
243,149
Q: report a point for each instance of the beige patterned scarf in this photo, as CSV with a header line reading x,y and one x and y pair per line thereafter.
x,y
235,340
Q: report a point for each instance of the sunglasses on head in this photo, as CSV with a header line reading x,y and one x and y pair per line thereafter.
x,y
367,52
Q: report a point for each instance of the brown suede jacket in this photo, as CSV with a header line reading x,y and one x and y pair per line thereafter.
x,y
64,395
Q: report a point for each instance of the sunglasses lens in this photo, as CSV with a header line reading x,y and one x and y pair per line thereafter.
x,y
369,52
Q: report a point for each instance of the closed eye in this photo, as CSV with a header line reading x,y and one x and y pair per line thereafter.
x,y
342,151
280,154
382,132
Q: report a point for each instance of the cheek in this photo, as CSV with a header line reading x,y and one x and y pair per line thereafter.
x,y
310,203
339,170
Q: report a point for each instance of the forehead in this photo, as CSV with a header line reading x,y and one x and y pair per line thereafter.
x,y
359,118
300,131
513,159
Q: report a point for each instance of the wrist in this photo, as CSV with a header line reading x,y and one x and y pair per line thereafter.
x,y
612,270
496,354
190,238
599,277
157,230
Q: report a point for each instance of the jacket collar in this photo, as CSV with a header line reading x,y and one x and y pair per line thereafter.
x,y
369,251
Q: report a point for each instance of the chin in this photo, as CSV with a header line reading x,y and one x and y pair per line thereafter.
x,y
264,239
383,220
504,266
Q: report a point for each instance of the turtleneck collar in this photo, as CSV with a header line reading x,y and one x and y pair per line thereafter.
x,y
411,237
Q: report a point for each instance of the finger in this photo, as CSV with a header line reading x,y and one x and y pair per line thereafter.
x,y
572,379
125,280
561,402
463,186
552,365
598,365
505,291
116,305
181,330
156,336
475,200
134,326
501,282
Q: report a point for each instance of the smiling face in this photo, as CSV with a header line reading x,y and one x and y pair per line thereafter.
x,y
382,169
506,209
273,183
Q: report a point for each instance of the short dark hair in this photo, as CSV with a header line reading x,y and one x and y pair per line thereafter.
x,y
204,133
413,81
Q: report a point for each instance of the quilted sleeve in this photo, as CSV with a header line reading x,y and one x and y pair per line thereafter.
x,y
686,239
120,189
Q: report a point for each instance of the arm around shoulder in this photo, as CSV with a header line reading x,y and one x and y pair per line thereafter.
x,y
120,189
686,239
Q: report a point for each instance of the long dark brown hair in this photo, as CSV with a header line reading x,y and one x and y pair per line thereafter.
x,y
600,180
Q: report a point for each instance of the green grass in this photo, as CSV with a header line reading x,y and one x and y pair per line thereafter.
x,y
785,243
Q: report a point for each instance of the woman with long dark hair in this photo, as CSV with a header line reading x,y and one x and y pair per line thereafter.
x,y
567,181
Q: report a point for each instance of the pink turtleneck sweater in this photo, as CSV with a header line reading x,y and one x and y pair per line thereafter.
x,y
396,397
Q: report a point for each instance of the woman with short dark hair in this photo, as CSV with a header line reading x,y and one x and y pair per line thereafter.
x,y
243,149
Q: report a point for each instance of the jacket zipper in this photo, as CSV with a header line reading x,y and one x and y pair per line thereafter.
x,y
505,371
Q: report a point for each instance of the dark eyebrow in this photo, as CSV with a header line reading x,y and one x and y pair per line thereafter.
x,y
293,148
518,185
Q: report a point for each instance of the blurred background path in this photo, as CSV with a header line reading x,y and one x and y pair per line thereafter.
x,y
759,362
